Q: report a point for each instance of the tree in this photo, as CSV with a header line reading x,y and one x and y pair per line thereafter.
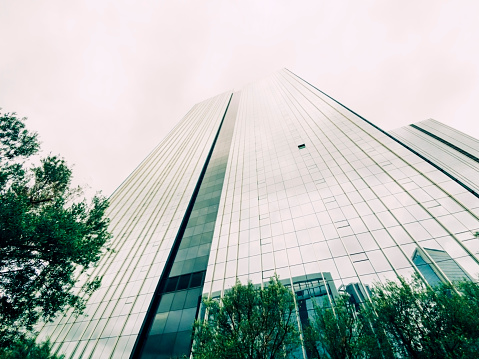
x,y
26,348
48,234
248,322
339,331
425,322
404,319
333,330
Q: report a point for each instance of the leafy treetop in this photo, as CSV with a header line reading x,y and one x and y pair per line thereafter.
x,y
249,322
47,233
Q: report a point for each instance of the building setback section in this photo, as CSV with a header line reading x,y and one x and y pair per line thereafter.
x,y
449,149
310,191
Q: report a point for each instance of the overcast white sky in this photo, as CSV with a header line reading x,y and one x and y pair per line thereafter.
x,y
104,81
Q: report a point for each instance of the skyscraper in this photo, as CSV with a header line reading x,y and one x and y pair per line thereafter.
x,y
275,178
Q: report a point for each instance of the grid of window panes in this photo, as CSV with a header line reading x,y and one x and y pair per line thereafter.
x,y
315,287
170,332
351,202
461,166
145,212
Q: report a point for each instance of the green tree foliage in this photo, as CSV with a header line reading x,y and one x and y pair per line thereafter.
x,y
338,331
249,322
48,234
424,322
27,349
405,319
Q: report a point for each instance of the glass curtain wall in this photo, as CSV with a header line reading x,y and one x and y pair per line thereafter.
x,y
303,187
311,187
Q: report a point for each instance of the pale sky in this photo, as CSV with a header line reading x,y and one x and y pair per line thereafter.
x,y
104,81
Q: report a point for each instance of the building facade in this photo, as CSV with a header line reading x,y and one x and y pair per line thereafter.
x,y
275,178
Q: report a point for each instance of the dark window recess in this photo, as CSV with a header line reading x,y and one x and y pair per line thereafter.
x,y
197,279
185,281
301,146
171,284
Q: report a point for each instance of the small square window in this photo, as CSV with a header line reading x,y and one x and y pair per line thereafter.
x,y
301,146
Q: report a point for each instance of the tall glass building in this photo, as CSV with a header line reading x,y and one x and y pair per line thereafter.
x,y
275,178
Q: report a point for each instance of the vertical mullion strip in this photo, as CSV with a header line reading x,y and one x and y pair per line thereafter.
x,y
150,314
